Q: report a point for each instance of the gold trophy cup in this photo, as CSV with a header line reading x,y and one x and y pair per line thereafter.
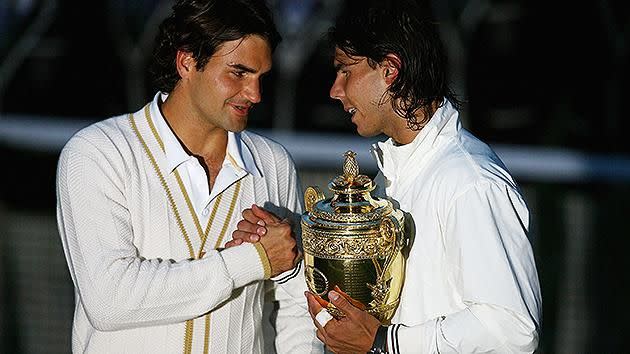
x,y
353,241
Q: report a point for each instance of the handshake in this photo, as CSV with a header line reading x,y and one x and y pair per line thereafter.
x,y
274,234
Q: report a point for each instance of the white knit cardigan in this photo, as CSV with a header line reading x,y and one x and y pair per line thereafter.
x,y
130,240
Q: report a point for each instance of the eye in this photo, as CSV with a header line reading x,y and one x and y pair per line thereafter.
x,y
343,72
239,73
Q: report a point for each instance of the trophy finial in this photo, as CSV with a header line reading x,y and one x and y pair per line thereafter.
x,y
350,166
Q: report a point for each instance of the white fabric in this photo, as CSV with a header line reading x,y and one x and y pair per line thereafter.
x,y
471,284
323,317
134,283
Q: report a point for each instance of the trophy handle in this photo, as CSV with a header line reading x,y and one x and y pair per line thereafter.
x,y
391,231
312,195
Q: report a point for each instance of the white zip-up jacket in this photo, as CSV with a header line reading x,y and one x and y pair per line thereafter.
x,y
471,284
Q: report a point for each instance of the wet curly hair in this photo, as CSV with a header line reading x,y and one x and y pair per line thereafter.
x,y
200,27
376,28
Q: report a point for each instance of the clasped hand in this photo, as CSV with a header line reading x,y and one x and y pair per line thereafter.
x,y
278,241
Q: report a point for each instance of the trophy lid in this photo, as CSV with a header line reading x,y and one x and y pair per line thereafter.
x,y
351,202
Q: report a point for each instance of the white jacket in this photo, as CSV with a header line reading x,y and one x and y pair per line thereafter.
x,y
471,284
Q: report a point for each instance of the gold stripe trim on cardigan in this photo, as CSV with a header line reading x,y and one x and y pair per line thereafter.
x,y
237,189
264,259
206,336
188,333
200,232
188,336
212,215
169,195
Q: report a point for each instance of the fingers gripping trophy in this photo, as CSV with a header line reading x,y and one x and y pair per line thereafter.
x,y
353,244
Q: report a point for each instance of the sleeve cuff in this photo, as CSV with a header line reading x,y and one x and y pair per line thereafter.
x,y
245,264
395,342
264,259
288,275
392,339
420,338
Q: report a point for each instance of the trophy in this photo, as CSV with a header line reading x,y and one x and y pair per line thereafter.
x,y
353,242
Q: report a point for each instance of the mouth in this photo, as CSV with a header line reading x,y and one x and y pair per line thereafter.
x,y
352,111
241,110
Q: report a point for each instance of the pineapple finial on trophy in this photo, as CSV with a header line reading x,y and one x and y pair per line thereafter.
x,y
350,166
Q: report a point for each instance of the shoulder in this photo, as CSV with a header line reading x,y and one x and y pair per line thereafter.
x,y
467,164
265,148
472,176
99,133
104,138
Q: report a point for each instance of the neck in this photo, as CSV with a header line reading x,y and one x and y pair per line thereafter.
x,y
404,136
197,136
401,133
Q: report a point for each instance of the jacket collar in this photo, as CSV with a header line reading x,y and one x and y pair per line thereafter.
x,y
393,160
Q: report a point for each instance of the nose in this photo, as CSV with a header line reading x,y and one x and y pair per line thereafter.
x,y
336,91
252,91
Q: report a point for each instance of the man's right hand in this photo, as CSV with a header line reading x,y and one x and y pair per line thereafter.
x,y
281,248
275,235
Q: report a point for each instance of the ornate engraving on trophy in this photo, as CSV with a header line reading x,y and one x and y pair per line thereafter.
x,y
316,281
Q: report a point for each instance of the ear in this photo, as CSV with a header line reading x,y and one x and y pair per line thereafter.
x,y
185,63
390,67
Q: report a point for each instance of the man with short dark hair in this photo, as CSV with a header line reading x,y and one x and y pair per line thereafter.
x,y
471,284
145,201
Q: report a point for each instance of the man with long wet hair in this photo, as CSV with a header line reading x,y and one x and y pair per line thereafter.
x,y
471,284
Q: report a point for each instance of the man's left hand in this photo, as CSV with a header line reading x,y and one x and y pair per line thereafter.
x,y
351,334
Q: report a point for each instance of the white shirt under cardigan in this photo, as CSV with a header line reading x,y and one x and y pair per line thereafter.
x,y
471,284
121,209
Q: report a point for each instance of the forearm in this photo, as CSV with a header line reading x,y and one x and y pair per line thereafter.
x,y
478,328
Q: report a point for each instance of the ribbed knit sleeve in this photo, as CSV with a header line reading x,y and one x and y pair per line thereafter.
x,y
117,288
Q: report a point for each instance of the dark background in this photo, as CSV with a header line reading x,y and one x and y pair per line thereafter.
x,y
537,78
